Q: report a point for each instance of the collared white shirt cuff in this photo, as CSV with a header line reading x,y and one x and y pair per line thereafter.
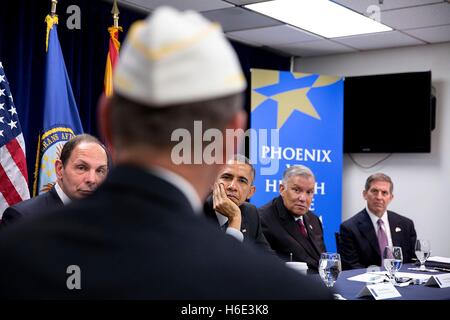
x,y
235,233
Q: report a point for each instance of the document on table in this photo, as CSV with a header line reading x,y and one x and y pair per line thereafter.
x,y
439,259
380,276
371,277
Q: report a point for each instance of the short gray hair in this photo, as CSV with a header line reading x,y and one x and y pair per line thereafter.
x,y
134,123
379,177
297,170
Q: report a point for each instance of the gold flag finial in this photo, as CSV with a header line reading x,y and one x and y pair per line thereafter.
x,y
53,10
115,13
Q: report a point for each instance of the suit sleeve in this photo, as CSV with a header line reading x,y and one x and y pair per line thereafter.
x,y
322,244
260,239
10,215
347,250
412,242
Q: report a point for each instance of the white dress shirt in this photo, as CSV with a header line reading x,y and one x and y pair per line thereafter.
x,y
64,198
385,219
235,233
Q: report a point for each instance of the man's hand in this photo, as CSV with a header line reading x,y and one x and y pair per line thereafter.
x,y
223,205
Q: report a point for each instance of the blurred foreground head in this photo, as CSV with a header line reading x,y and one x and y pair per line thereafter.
x,y
176,70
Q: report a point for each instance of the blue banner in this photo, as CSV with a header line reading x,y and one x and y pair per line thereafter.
x,y
61,119
297,118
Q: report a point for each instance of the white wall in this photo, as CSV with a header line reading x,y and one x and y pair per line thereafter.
x,y
421,181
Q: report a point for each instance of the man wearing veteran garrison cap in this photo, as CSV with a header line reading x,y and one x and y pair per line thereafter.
x,y
140,236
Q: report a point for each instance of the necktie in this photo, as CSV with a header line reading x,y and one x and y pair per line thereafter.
x,y
302,227
382,237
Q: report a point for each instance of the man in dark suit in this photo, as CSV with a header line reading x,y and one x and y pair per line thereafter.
x,y
291,229
227,206
364,236
139,235
81,168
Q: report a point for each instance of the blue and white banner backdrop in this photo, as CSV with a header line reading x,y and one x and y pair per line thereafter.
x,y
297,118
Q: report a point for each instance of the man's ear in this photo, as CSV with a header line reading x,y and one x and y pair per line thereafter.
x,y
59,169
364,193
252,192
232,142
104,122
282,188
239,121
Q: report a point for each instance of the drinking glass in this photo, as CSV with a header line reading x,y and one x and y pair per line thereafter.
x,y
392,260
423,251
329,268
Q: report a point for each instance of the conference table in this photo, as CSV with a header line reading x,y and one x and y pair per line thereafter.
x,y
349,289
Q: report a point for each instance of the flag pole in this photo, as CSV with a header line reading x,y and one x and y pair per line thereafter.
x,y
115,13
51,19
53,10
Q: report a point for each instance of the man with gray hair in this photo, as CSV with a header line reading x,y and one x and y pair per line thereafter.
x,y
291,229
364,236
140,235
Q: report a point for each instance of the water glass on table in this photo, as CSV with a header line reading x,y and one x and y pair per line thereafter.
x,y
329,268
423,251
392,260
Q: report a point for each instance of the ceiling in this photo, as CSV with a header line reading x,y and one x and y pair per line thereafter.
x,y
414,22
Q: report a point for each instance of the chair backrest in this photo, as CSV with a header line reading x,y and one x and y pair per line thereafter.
x,y
337,237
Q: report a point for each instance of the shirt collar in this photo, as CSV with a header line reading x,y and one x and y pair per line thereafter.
x,y
64,198
181,184
375,218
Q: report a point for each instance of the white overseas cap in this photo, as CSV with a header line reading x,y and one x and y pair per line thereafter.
x,y
177,57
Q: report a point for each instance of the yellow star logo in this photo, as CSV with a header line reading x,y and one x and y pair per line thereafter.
x,y
290,101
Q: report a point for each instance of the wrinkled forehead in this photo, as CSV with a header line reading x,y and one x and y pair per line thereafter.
x,y
88,151
380,185
237,168
300,179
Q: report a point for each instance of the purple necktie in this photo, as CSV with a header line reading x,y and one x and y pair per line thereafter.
x,y
302,227
382,237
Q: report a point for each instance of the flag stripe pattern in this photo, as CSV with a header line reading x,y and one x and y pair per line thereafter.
x,y
111,58
13,168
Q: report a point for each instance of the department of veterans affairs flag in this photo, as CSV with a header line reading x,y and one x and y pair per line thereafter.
x,y
13,166
61,119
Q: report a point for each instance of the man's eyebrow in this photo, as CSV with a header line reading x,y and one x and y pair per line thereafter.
x,y
80,161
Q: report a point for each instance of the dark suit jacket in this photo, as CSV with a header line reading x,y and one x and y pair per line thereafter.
x,y
283,233
43,202
358,245
250,223
137,237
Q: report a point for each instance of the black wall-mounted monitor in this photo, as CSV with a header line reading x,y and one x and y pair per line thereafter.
x,y
388,113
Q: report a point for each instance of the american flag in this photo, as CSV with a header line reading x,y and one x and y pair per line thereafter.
x,y
13,166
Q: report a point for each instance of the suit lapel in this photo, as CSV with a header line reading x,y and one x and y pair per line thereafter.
x,y
309,228
367,230
396,230
292,228
244,222
55,197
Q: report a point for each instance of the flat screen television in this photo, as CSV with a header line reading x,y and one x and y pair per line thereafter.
x,y
388,113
